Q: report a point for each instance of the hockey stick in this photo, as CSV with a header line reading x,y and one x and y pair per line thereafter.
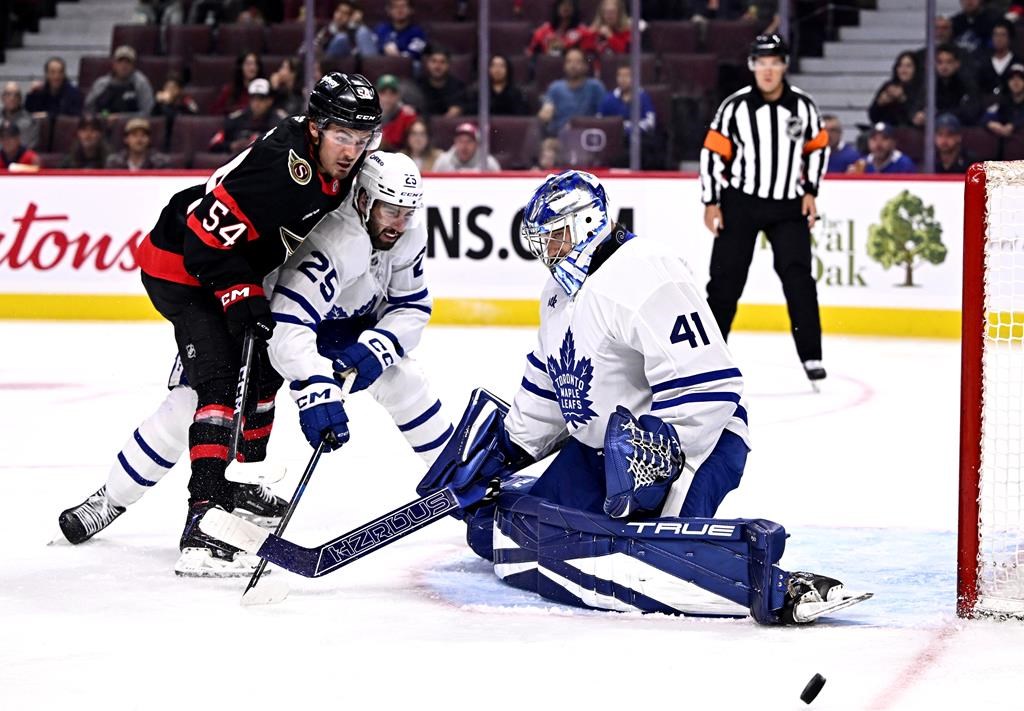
x,y
247,472
339,552
277,590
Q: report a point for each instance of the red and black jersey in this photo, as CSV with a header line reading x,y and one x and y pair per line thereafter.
x,y
251,214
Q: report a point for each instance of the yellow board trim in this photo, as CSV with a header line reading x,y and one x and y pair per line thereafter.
x,y
849,320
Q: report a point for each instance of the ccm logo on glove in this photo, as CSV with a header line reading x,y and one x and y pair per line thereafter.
x,y
239,291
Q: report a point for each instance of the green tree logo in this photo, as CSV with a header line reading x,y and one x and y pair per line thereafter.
x,y
908,235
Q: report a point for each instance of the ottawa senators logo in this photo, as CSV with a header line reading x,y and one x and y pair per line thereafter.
x,y
299,169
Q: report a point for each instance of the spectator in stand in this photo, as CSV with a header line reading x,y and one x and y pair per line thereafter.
x,y
14,112
171,102
419,148
506,98
56,95
898,98
619,102
992,70
763,12
286,87
243,127
399,36
15,156
1007,117
610,30
972,27
443,94
953,93
841,154
883,157
396,117
576,95
943,36
561,32
346,34
464,153
125,90
549,156
950,154
234,96
138,153
90,149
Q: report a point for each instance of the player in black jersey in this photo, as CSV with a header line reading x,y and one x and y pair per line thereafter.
x,y
203,266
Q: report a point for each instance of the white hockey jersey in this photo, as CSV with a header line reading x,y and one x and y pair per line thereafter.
x,y
336,274
638,333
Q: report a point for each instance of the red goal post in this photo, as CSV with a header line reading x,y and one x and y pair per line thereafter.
x,y
990,556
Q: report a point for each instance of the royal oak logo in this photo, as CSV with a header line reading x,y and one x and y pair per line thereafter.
x,y
299,169
571,379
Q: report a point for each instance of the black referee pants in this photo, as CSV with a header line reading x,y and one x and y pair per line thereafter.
x,y
744,217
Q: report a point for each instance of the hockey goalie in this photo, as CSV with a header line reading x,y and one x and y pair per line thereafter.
x,y
632,388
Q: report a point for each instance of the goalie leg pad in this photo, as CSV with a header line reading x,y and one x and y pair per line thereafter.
x,y
702,567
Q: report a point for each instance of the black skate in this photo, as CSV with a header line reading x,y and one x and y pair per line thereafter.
x,y
815,370
810,596
257,503
82,522
206,557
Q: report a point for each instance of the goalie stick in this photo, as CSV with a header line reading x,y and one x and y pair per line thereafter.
x,y
339,552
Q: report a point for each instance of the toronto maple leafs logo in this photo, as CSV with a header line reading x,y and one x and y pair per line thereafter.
x,y
338,313
571,379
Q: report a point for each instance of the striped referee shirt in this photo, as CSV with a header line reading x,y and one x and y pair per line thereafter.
x,y
776,150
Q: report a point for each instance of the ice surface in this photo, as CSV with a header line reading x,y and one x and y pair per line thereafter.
x,y
862,475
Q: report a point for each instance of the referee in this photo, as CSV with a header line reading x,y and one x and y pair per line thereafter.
x,y
760,168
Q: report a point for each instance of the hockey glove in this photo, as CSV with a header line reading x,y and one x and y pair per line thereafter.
x,y
321,411
246,306
641,460
479,453
369,356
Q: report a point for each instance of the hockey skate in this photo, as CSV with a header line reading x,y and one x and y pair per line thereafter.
x,y
82,522
814,370
206,557
257,503
810,596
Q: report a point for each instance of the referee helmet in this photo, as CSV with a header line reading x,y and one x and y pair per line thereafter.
x,y
768,46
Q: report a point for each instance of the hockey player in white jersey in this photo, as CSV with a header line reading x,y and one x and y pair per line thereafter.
x,y
631,383
347,302
357,271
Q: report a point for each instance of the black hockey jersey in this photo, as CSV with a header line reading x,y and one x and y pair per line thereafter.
x,y
251,214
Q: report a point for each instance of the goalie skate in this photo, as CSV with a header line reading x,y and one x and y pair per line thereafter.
x,y
257,503
205,557
812,596
82,522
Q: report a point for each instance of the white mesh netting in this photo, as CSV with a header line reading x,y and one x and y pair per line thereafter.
x,y
1001,502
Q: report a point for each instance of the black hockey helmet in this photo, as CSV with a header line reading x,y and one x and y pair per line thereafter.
x,y
768,46
348,100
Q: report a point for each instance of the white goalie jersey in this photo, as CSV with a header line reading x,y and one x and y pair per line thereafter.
x,y
336,274
638,333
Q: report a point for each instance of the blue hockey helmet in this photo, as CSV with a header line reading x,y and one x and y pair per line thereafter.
x,y
564,222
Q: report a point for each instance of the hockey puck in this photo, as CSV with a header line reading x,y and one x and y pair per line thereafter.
x,y
810,691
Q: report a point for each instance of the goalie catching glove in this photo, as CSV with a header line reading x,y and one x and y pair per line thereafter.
x,y
642,458
369,357
321,411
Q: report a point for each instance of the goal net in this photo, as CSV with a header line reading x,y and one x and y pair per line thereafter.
x,y
990,567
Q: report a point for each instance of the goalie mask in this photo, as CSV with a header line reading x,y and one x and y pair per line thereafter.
x,y
393,180
564,223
